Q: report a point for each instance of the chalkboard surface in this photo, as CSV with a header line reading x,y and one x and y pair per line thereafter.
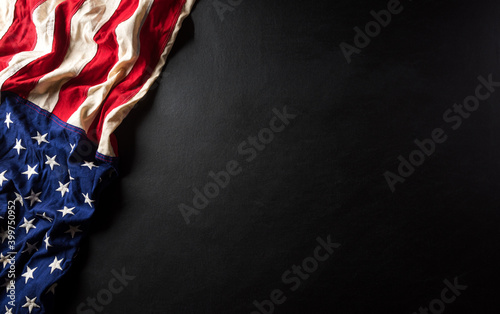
x,y
308,157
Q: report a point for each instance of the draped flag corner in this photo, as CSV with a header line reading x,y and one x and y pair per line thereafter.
x,y
70,72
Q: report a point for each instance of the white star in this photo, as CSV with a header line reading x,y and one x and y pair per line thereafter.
x,y
3,178
31,171
33,197
28,274
70,177
63,188
8,121
52,289
4,234
28,224
4,259
44,216
19,199
51,161
40,138
66,210
56,264
7,310
30,304
73,230
89,164
18,146
31,248
46,240
87,199
72,147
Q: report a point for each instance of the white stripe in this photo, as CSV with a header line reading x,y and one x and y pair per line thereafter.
x,y
6,16
85,23
128,51
43,19
116,116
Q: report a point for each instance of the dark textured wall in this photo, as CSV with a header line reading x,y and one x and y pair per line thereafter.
x,y
320,176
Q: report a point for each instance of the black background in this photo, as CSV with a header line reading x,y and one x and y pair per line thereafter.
x,y
323,175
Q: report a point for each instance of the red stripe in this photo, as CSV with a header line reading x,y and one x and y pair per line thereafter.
x,y
26,79
155,34
22,27
74,92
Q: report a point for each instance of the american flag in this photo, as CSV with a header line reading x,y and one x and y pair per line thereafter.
x,y
70,72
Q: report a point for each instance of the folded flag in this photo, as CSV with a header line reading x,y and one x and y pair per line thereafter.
x,y
70,72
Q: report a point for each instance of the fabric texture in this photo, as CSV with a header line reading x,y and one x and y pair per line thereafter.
x,y
70,72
